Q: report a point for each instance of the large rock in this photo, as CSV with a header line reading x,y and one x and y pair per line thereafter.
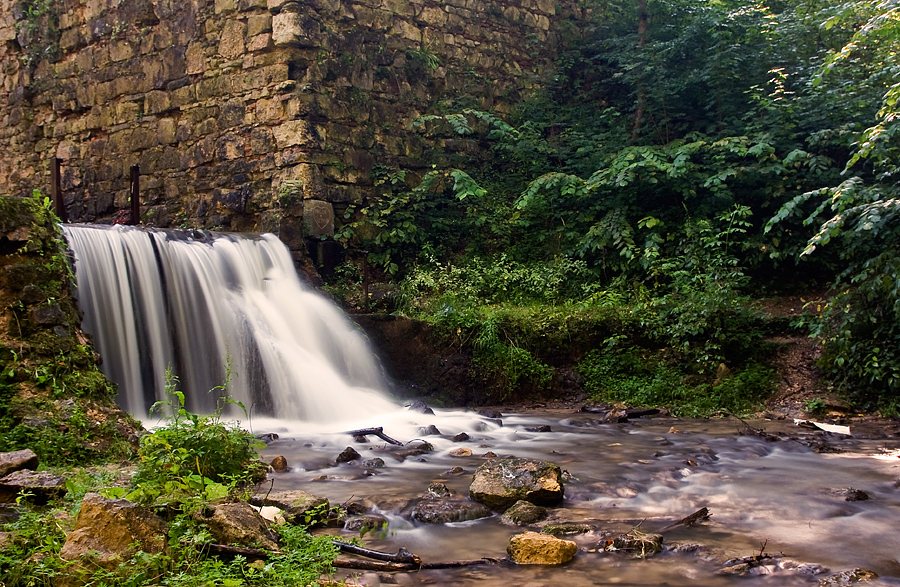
x,y
500,484
238,523
109,531
16,460
443,511
41,487
532,548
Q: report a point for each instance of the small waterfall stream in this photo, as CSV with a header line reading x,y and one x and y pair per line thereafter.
x,y
217,308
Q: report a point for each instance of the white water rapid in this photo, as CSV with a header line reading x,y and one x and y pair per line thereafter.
x,y
217,308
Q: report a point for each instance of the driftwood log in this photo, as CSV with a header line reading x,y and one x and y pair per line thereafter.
x,y
379,432
403,561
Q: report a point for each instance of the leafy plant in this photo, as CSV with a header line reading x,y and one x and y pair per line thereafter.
x,y
194,454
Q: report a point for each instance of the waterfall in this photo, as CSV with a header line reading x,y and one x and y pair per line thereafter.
x,y
222,310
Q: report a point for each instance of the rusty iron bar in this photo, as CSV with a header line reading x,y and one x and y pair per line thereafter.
x,y
365,283
135,195
56,189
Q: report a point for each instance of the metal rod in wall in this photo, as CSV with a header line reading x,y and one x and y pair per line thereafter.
x,y
135,194
56,189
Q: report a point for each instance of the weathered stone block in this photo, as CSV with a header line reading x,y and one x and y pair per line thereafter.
x,y
258,24
224,6
231,40
261,42
157,101
121,50
195,57
292,29
295,133
318,219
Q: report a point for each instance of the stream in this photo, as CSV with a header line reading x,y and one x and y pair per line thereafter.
x,y
781,498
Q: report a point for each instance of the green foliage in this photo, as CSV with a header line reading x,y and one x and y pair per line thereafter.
x,y
40,30
702,315
642,377
194,454
405,223
859,218
30,557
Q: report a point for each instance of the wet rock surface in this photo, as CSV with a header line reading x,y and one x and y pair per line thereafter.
x,y
523,513
296,504
500,484
445,510
532,548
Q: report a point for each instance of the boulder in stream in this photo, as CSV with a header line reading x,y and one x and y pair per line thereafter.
x,y
500,484
348,454
365,523
532,548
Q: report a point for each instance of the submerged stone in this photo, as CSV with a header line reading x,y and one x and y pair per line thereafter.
x,y
523,513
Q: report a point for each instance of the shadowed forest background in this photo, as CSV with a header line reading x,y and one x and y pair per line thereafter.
x,y
681,159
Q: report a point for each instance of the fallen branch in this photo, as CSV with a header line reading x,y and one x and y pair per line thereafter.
x,y
361,565
379,432
402,556
404,561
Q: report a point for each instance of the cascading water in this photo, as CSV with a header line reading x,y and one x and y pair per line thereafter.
x,y
221,308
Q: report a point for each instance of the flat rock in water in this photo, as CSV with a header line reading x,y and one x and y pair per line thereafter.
x,y
442,511
110,530
566,529
500,484
41,486
847,578
532,548
16,460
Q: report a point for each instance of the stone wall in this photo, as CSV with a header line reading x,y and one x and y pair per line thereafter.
x,y
247,114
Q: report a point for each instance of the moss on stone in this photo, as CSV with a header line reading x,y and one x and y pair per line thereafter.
x,y
53,397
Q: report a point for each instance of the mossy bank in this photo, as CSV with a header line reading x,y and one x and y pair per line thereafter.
x,y
53,397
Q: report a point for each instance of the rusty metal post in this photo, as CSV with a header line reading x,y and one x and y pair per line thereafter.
x,y
365,282
135,194
56,189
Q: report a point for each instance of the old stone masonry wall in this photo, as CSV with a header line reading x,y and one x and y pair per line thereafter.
x,y
247,114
